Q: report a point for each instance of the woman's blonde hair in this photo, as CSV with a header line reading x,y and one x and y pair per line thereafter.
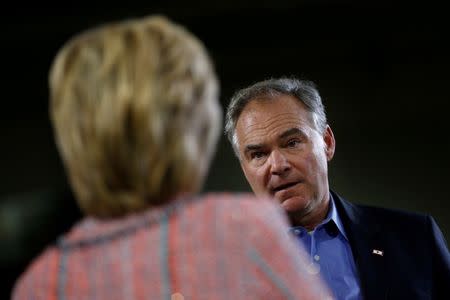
x,y
135,111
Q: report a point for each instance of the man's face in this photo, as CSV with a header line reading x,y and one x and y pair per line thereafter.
x,y
283,155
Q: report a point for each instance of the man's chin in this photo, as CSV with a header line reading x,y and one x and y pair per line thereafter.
x,y
293,205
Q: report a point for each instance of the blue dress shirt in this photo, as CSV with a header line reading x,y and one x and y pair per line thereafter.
x,y
331,256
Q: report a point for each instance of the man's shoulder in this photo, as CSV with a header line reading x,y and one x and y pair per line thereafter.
x,y
393,213
384,216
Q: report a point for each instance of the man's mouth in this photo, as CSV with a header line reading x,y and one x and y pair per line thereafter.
x,y
284,186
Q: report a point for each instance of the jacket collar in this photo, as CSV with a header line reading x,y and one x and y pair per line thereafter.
x,y
368,247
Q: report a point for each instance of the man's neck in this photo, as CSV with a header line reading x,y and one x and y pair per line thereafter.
x,y
314,218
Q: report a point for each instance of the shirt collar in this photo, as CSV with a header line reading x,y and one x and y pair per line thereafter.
x,y
332,215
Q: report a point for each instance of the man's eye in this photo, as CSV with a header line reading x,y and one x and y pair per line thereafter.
x,y
257,155
292,143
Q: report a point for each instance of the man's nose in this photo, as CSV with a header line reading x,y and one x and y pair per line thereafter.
x,y
279,165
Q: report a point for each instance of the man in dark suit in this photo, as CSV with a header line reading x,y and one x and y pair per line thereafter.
x,y
279,132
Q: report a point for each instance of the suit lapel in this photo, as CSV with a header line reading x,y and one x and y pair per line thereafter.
x,y
366,241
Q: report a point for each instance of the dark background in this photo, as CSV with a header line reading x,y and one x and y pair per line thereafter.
x,y
382,69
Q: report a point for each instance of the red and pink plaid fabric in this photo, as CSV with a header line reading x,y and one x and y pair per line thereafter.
x,y
218,246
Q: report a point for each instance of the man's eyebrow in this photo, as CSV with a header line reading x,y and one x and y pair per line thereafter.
x,y
253,147
285,134
292,131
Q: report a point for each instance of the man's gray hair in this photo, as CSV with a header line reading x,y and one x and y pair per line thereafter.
x,y
303,90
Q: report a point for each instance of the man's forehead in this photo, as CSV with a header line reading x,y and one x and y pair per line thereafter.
x,y
263,119
267,107
270,121
258,141
262,133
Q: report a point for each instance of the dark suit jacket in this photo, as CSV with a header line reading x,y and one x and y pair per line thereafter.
x,y
413,261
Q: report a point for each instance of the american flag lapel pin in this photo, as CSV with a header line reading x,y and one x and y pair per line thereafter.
x,y
377,252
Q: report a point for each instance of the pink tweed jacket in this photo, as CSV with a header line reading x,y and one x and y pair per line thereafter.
x,y
216,246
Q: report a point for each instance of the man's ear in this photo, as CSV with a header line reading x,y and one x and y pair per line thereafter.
x,y
330,142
